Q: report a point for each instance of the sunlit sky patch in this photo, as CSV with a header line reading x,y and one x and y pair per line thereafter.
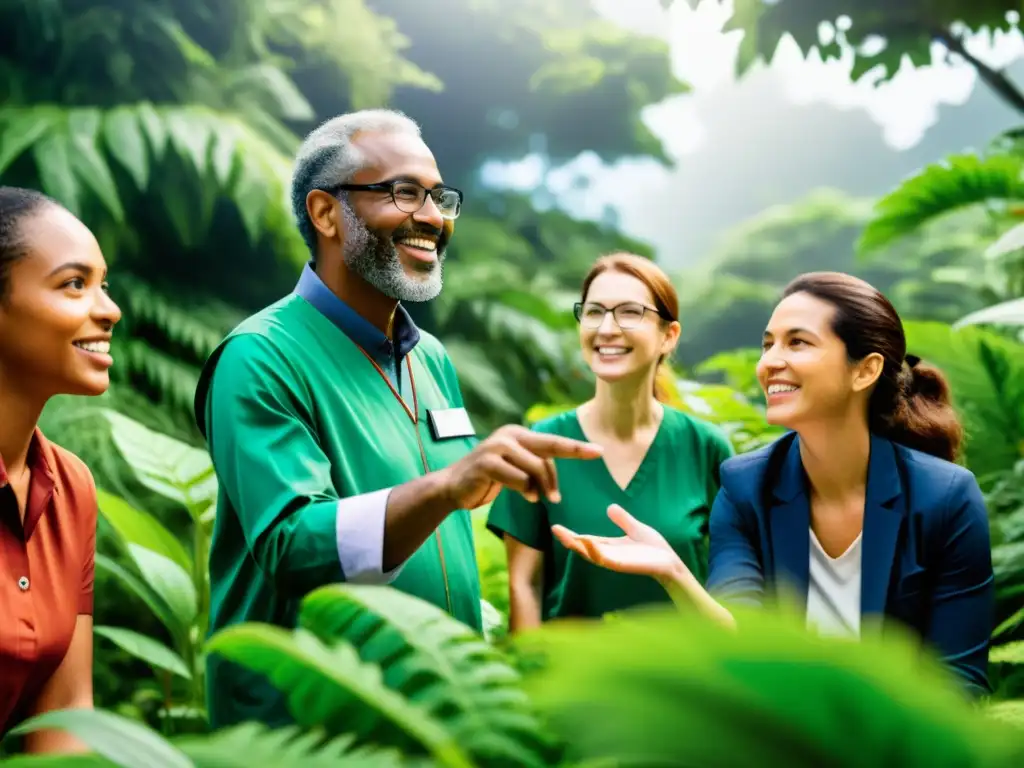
x,y
704,56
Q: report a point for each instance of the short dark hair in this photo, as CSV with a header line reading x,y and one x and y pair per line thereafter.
x,y
17,205
911,402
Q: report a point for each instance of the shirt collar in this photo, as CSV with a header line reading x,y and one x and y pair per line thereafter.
x,y
39,458
355,326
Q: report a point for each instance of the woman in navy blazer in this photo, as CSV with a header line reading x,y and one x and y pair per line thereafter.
x,y
859,512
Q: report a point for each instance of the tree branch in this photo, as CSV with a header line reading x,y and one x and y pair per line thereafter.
x,y
994,79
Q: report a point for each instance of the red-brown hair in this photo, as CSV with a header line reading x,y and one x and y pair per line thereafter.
x,y
666,300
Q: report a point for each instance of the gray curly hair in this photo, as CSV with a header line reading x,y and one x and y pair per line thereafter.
x,y
327,156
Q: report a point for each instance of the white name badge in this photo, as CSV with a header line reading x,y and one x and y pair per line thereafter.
x,y
450,422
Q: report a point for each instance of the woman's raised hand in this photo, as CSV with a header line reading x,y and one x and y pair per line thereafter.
x,y
642,550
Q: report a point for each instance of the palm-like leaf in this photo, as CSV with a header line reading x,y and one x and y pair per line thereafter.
x,y
118,741
329,687
440,664
252,744
987,374
420,680
75,151
123,742
941,188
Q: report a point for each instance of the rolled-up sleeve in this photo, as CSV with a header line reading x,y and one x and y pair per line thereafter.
x,y
269,463
360,533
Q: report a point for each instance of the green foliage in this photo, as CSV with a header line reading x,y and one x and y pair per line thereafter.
x,y
987,375
396,671
670,688
908,31
122,742
170,131
117,741
150,563
667,687
492,563
726,302
556,59
956,182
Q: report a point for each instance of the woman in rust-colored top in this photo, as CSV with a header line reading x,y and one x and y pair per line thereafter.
x,y
55,324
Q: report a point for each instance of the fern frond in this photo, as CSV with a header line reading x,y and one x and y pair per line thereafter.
x,y
163,377
196,327
284,748
440,664
941,188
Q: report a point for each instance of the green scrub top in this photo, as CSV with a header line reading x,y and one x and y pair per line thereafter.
x,y
297,417
672,491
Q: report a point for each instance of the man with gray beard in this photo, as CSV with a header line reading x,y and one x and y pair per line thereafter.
x,y
337,430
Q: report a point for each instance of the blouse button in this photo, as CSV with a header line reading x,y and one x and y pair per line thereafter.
x,y
23,583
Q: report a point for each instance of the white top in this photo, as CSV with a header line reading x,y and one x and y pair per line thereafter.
x,y
833,590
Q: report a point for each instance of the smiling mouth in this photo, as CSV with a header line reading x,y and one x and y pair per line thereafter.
x,y
608,351
781,389
96,347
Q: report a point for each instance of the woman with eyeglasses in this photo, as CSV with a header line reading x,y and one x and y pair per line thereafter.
x,y
657,460
859,513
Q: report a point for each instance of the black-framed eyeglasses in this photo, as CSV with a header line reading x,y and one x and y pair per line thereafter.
x,y
410,196
628,315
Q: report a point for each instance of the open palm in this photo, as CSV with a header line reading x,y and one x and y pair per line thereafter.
x,y
641,551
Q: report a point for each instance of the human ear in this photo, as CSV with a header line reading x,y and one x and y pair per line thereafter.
x,y
323,212
867,372
672,332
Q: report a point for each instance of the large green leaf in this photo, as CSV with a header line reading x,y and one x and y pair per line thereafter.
x,y
136,586
441,664
165,465
22,128
125,141
941,188
136,527
58,761
124,742
331,688
151,651
252,744
88,162
669,688
1004,313
74,150
986,372
170,582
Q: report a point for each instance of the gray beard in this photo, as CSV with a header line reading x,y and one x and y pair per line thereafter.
x,y
376,260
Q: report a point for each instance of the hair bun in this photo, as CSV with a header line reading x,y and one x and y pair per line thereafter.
x,y
927,381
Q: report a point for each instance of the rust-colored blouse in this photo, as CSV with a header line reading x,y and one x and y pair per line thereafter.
x,y
46,572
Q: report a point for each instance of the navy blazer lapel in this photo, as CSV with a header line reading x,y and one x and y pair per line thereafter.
x,y
882,519
790,529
